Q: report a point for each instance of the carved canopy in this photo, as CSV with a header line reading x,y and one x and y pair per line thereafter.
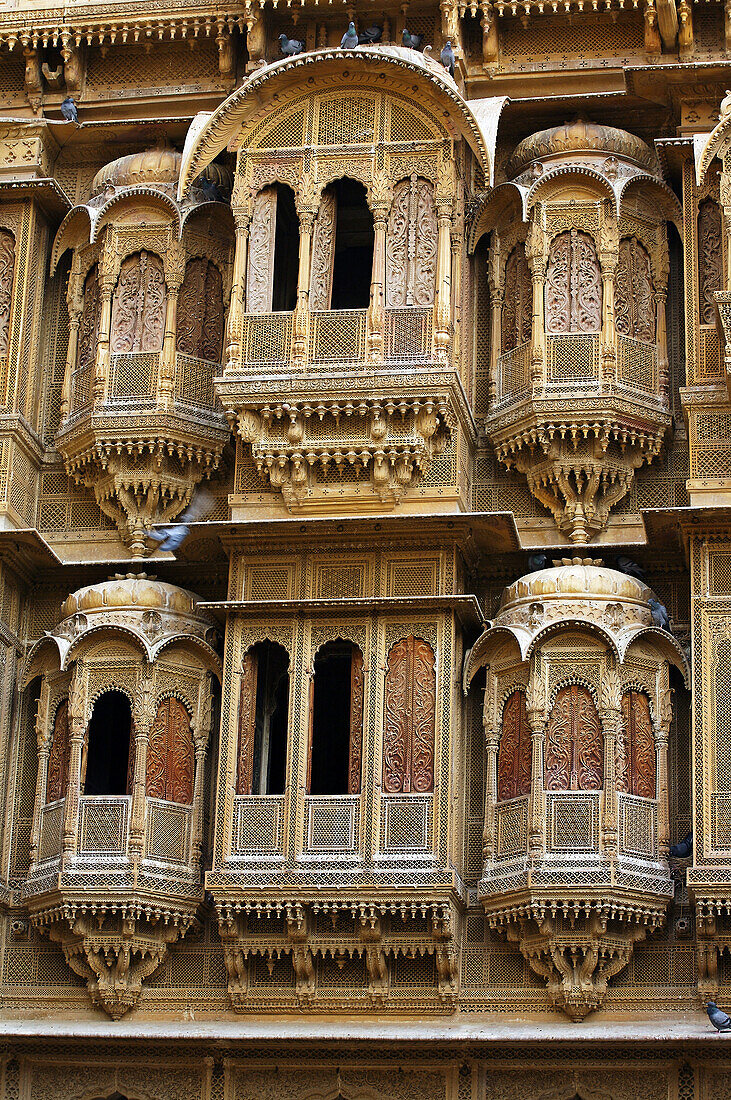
x,y
514,753
138,311
410,707
574,759
170,761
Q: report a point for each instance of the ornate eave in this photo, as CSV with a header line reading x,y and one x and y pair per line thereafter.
x,y
210,134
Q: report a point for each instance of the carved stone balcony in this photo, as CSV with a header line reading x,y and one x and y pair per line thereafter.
x,y
576,805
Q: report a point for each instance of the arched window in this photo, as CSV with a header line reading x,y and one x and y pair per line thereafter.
x,y
518,307
410,714
636,746
263,716
7,270
710,259
170,757
342,253
634,294
574,759
514,752
573,284
271,280
411,245
58,760
336,720
109,746
200,311
138,310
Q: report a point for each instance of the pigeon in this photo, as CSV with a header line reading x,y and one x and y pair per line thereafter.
x,y
209,189
631,568
718,1017
68,110
537,561
369,36
350,39
683,849
447,57
411,41
174,535
289,47
660,615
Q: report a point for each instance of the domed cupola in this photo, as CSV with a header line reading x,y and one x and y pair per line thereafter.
x,y
124,720
577,712
157,167
584,141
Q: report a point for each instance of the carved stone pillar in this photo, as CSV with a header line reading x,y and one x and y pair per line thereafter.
x,y
75,311
444,280
608,259
661,731
43,738
196,828
457,244
174,275
611,719
102,361
497,298
77,728
492,744
301,313
536,254
242,220
379,210
663,367
143,719
536,712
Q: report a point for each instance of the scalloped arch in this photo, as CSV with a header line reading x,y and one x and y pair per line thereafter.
x,y
673,651
667,199
713,147
130,193
64,238
575,624
504,199
110,628
602,183
213,662
475,658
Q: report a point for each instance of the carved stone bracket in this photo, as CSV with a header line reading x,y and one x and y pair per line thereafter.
x,y
114,948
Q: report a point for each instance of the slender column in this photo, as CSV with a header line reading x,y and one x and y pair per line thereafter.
x,y
77,726
457,242
661,338
201,736
608,259
492,742
444,281
166,381
611,719
497,297
103,354
661,732
536,713
242,221
143,719
536,254
378,283
43,738
75,311
301,313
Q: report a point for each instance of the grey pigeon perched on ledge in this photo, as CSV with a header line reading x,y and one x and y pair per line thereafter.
x,y
411,41
537,561
718,1017
369,36
289,47
350,39
68,110
631,568
683,849
660,615
447,57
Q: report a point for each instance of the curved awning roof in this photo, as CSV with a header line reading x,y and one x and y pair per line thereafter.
x,y
409,72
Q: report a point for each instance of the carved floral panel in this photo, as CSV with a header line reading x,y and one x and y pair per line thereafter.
x,y
634,296
710,259
356,722
410,712
89,326
573,284
260,273
323,252
7,270
635,754
170,760
514,752
138,311
411,245
247,724
574,753
518,308
58,760
200,311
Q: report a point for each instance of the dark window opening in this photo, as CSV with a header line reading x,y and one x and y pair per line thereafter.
x,y
263,720
286,251
353,262
336,720
108,761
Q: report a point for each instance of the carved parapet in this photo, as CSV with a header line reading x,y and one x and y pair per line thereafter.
x,y
312,934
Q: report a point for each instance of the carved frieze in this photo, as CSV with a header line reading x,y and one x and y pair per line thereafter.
x,y
7,270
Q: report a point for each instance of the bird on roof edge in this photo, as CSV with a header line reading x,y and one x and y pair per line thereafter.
x,y
68,110
350,39
718,1017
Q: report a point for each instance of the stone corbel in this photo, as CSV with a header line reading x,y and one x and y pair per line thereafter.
x,y
302,957
73,63
226,51
490,39
686,44
33,82
667,21
653,43
371,934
